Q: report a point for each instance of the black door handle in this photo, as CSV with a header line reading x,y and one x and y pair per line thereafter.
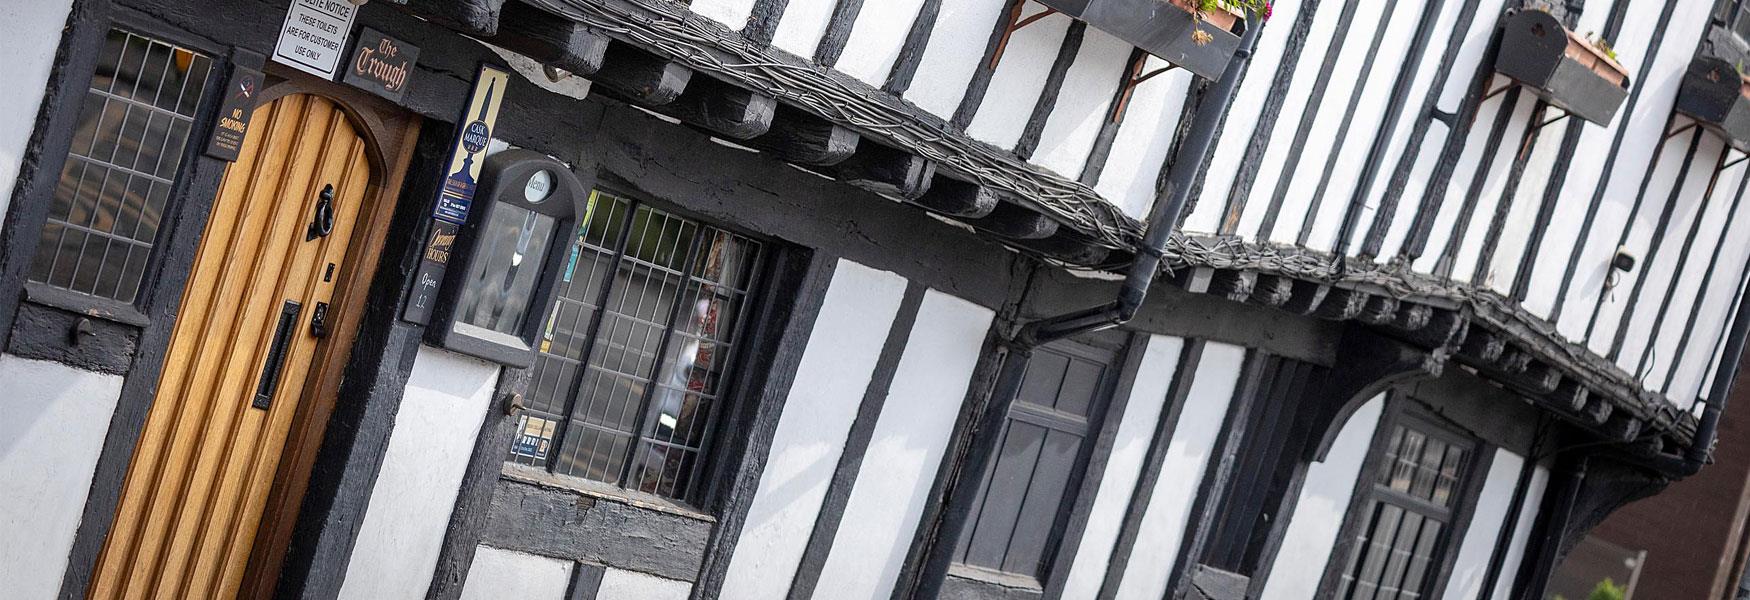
x,y
276,355
323,222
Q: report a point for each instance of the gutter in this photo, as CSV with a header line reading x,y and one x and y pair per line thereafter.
x,y
1163,218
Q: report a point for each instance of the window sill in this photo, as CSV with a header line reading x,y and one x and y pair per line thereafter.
x,y
1007,580
602,491
90,306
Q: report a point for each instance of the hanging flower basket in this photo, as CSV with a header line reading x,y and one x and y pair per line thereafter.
x,y
1561,67
1200,41
1718,97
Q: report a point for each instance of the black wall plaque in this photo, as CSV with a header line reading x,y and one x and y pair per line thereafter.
x,y
241,93
380,64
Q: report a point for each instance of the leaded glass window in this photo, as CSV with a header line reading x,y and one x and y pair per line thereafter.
x,y
1405,520
127,147
634,360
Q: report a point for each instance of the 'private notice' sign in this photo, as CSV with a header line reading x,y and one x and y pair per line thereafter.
x,y
313,38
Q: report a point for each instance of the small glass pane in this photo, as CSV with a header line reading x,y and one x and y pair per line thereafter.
x,y
501,281
134,124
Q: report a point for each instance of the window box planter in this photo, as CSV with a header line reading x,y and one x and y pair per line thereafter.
x,y
1560,66
1717,97
1164,28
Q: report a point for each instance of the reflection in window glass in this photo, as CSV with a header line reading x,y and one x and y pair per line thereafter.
x,y
633,359
122,163
495,296
1398,544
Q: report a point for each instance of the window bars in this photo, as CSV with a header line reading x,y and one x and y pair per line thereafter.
x,y
1399,543
122,163
629,378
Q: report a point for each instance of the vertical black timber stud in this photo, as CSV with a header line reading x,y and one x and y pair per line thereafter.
x,y
762,23
1552,525
1473,193
1425,118
1066,57
1707,281
1654,246
1256,377
838,32
798,289
1366,70
1686,248
1253,158
1184,376
980,83
1102,149
1552,194
1458,125
1394,111
1298,146
905,67
1510,524
1515,176
351,452
1619,13
474,498
844,477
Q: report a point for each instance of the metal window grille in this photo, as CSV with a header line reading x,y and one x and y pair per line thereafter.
x,y
1400,541
1020,509
123,161
629,380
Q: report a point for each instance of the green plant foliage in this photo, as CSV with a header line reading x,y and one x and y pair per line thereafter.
x,y
1607,590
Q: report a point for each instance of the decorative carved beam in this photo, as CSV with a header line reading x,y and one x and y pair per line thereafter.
x,y
1011,220
800,137
1235,285
958,198
886,170
1622,427
1373,363
642,77
1342,304
1482,347
1272,290
1379,310
1307,297
1598,410
553,40
724,109
1571,395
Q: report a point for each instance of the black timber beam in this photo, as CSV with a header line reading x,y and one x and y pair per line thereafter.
x,y
550,39
1342,304
723,109
478,17
958,198
1014,221
642,77
1379,310
1272,290
1068,246
886,170
800,137
1233,284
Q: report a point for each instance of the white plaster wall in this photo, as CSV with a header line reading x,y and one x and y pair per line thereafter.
x,y
1656,265
910,437
1645,126
733,13
1476,39
1365,121
1019,78
1586,168
1521,219
830,381
876,39
1445,27
803,24
1318,513
1713,319
446,400
1478,544
496,574
956,47
1080,113
1685,293
1294,105
1522,530
1162,527
1321,143
1492,190
1142,414
1144,139
1236,134
29,56
1459,182
53,419
632,585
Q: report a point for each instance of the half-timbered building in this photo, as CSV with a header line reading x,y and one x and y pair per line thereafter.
x,y
847,299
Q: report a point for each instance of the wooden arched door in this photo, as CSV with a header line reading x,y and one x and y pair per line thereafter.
x,y
247,337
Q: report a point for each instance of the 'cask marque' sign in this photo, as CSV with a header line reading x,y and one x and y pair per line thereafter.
x,y
381,65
